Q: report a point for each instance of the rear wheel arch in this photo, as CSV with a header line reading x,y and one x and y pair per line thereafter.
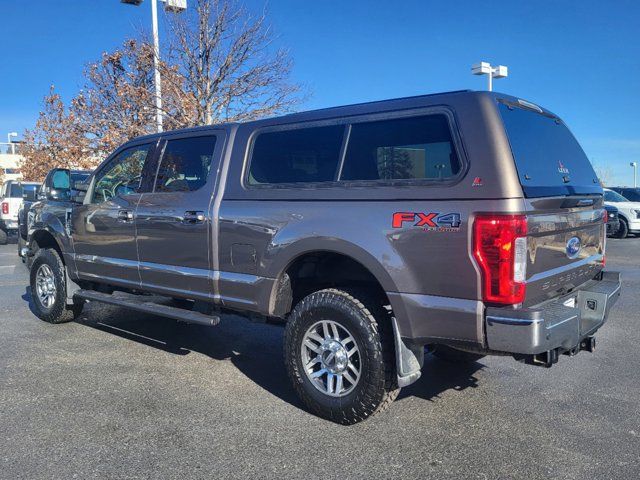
x,y
314,269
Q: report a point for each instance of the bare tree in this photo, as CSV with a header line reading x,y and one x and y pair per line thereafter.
x,y
55,141
229,68
117,101
604,173
220,66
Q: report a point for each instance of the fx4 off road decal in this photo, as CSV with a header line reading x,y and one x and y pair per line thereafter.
x,y
433,221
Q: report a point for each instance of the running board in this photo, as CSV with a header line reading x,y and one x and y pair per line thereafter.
x,y
140,305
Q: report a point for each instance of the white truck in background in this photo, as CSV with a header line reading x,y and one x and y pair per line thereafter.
x,y
11,197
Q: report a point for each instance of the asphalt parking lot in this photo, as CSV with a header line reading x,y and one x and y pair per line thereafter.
x,y
123,395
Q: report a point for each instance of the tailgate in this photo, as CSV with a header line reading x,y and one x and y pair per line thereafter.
x,y
565,246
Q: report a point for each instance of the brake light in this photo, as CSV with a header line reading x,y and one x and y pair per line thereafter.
x,y
500,248
5,208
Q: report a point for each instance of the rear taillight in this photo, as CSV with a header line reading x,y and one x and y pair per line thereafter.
x,y
500,248
5,208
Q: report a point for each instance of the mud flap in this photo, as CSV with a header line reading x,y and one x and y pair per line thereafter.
x,y
409,360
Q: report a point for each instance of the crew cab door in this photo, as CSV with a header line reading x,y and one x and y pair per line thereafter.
x,y
174,221
103,228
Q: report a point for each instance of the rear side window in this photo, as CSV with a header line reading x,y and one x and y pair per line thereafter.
x,y
401,149
15,191
185,164
303,155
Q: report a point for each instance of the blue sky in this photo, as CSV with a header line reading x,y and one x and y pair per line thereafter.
x,y
580,59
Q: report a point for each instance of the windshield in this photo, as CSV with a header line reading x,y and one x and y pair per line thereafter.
x,y
548,158
611,196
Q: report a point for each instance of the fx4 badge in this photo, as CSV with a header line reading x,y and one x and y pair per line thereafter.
x,y
446,222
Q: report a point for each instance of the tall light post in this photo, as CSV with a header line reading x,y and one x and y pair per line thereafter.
x,y
174,6
485,68
635,173
13,147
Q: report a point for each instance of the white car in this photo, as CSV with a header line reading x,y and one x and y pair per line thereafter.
x,y
10,201
629,212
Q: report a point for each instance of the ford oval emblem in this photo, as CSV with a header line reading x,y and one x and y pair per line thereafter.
x,y
573,247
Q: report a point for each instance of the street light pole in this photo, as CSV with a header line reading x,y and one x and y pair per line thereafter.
x,y
635,174
485,68
174,6
156,64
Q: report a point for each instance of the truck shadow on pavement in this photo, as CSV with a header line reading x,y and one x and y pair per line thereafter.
x,y
255,349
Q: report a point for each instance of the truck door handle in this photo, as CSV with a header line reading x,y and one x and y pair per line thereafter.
x,y
192,217
125,216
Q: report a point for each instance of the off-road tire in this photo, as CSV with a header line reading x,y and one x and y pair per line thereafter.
x,y
452,355
3,237
623,229
370,324
59,312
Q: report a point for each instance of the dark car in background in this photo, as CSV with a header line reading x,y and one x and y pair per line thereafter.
x,y
613,220
44,193
630,193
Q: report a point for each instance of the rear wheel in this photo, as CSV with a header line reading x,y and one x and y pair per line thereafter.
x,y
623,230
452,355
49,289
3,237
339,355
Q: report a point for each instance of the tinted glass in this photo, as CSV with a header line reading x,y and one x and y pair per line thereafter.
x,y
548,158
402,149
15,191
611,196
30,192
122,176
302,155
185,164
78,177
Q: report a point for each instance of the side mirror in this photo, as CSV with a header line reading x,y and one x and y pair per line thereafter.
x,y
59,184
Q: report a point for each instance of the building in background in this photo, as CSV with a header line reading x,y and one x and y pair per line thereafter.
x,y
10,162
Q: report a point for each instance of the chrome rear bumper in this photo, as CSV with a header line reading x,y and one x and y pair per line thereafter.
x,y
553,326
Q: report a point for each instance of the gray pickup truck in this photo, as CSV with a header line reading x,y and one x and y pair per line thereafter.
x,y
464,223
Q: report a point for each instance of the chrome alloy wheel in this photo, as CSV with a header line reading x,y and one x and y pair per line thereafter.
x,y
46,286
331,358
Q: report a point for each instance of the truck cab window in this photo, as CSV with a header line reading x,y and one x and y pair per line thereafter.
x,y
301,155
121,176
185,164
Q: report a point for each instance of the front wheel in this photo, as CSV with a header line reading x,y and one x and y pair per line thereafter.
x,y
3,237
339,355
623,230
49,288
